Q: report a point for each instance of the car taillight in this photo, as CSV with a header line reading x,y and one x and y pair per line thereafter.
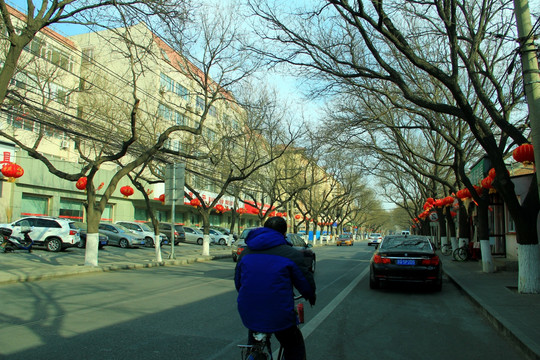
x,y
378,259
72,232
434,261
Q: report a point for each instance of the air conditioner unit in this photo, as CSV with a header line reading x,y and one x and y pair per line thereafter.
x,y
64,144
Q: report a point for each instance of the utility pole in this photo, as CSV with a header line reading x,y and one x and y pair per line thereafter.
x,y
531,76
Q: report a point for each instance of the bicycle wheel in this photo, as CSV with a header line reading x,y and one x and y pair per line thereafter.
x,y
460,254
446,249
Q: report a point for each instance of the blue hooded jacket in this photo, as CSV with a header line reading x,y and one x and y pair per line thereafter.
x,y
266,273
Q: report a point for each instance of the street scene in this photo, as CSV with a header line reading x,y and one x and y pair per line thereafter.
x,y
189,312
261,179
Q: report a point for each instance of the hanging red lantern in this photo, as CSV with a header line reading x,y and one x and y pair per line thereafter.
x,y
195,202
12,171
162,198
127,191
449,200
430,201
438,203
279,214
241,211
487,182
453,213
81,183
219,208
492,173
463,193
524,154
297,216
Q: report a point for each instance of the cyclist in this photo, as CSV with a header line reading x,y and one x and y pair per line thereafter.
x,y
266,273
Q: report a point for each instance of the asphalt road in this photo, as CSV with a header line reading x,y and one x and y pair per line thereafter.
x,y
189,312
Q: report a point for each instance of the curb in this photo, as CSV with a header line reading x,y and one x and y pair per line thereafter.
x,y
495,319
73,270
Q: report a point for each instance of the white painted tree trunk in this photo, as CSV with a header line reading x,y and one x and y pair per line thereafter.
x,y
529,269
206,245
229,240
91,253
487,260
157,241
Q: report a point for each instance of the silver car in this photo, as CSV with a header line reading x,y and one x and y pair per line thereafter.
x,y
121,236
145,231
193,235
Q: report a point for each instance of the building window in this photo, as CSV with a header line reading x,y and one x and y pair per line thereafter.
x,y
71,209
34,205
87,56
166,83
200,103
165,112
212,111
182,91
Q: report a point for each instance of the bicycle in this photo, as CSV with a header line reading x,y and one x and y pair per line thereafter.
x,y
463,253
446,249
262,348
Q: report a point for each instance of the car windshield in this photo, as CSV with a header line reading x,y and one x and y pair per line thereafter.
x,y
145,227
375,235
122,228
405,244
344,236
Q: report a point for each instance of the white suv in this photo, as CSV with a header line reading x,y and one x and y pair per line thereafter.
x,y
55,234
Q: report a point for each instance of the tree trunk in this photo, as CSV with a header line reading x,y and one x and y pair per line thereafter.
x,y
206,226
483,234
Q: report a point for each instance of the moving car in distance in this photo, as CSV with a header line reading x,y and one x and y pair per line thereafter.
x,y
406,258
374,239
345,240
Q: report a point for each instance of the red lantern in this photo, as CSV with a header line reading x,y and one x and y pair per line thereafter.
x,y
127,191
279,214
101,186
449,200
438,203
162,198
81,183
219,208
524,153
241,211
463,193
487,182
297,216
12,171
491,173
430,201
195,202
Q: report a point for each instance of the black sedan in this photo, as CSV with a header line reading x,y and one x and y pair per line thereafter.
x,y
406,258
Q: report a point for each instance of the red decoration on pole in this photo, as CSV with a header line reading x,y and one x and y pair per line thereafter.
x,y
127,191
81,183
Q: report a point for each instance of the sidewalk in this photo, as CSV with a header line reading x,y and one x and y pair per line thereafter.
x,y
21,266
517,316
495,294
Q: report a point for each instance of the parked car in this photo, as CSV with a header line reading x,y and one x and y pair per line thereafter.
x,y
224,231
146,231
344,240
295,240
103,239
219,237
165,228
55,234
406,258
374,239
121,236
193,235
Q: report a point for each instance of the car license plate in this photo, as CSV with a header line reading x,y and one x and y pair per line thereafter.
x,y
404,262
103,242
142,242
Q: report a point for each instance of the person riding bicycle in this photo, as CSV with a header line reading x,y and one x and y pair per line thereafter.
x,y
265,275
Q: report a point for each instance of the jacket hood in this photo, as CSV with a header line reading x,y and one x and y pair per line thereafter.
x,y
264,238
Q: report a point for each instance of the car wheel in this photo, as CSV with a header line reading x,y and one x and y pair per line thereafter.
x,y
54,245
81,244
123,243
149,242
222,242
199,241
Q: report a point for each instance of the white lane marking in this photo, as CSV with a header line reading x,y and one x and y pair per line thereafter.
x,y
311,325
